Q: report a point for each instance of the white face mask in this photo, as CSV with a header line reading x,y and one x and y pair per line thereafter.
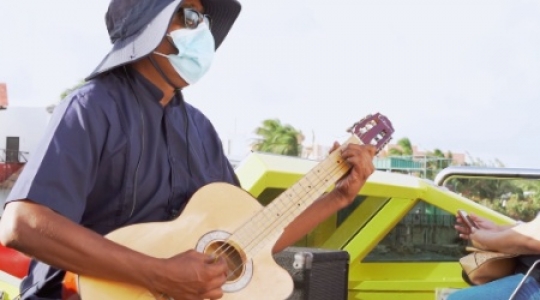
x,y
196,50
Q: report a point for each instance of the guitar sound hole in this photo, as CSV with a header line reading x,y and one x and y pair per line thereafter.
x,y
234,258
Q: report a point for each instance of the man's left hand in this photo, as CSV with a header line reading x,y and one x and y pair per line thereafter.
x,y
360,158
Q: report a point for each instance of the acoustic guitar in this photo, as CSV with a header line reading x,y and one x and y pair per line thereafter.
x,y
224,220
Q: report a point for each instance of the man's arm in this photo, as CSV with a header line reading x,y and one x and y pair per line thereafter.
x,y
360,158
319,211
49,237
36,230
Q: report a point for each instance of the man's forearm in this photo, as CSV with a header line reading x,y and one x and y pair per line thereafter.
x,y
319,211
41,233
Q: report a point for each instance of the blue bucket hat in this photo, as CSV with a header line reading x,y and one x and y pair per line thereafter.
x,y
136,27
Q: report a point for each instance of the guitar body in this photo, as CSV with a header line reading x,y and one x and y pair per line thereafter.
x,y
217,207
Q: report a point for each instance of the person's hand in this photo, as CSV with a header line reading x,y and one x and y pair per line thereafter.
x,y
481,238
191,276
360,158
483,224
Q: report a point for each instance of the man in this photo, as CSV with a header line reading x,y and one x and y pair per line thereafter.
x,y
126,148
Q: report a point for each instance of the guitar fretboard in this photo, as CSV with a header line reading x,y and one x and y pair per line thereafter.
x,y
271,220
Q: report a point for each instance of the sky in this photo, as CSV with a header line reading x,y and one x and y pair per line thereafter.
x,y
460,76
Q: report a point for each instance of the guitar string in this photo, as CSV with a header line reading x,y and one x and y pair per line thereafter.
x,y
251,219
225,247
223,250
226,250
262,211
359,141
340,165
262,235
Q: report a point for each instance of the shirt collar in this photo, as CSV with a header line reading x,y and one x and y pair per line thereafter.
x,y
155,93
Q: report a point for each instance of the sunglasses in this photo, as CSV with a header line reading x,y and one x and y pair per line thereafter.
x,y
193,18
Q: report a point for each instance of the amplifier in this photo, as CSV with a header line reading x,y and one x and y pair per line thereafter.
x,y
318,274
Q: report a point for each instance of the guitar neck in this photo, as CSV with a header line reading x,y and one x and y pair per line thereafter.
x,y
271,220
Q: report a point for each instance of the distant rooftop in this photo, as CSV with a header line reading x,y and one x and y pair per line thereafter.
x,y
3,96
9,173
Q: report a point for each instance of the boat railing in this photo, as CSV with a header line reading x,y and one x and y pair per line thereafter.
x,y
485,172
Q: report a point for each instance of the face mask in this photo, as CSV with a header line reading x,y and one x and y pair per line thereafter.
x,y
195,52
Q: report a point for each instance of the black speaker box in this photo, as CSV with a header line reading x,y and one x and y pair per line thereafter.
x,y
318,274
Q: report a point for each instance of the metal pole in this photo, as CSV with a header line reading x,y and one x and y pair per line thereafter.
x,y
485,172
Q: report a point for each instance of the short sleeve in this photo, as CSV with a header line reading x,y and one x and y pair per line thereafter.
x,y
62,170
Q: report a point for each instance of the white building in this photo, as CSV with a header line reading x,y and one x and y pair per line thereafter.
x,y
21,129
23,124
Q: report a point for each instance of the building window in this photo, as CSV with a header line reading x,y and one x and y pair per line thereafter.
x,y
12,149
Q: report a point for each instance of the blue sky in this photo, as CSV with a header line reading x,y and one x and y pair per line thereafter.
x,y
456,75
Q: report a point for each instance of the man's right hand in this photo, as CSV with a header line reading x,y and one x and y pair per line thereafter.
x,y
191,276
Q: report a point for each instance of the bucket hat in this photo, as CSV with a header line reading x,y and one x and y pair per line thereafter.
x,y
136,27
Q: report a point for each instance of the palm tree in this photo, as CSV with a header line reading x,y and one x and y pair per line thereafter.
x,y
405,148
278,138
436,161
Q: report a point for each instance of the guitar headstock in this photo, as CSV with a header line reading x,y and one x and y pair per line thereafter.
x,y
374,130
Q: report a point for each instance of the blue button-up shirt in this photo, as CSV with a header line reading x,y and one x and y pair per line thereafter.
x,y
113,156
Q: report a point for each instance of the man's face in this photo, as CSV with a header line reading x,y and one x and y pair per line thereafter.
x,y
166,46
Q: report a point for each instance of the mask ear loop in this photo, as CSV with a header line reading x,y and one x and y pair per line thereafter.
x,y
160,71
168,37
